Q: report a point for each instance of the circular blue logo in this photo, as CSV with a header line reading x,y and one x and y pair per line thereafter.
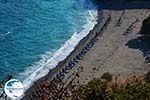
x,y
13,88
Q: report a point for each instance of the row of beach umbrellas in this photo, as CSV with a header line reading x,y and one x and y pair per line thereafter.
x,y
71,64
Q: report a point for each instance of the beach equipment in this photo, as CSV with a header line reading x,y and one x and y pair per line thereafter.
x,y
72,62
75,60
78,57
57,76
94,39
88,45
98,34
91,42
102,29
64,71
83,51
61,74
67,68
71,65
86,48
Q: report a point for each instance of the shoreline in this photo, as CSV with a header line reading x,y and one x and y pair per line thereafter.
x,y
61,64
106,54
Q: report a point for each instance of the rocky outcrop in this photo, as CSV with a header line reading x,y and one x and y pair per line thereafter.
x,y
145,30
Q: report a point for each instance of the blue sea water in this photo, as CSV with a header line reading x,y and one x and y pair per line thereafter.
x,y
31,28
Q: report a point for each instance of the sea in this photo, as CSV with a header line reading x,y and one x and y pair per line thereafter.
x,y
36,34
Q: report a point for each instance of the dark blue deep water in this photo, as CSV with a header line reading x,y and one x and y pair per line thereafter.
x,y
30,28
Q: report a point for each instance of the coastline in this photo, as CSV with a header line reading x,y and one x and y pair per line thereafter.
x,y
101,58
61,64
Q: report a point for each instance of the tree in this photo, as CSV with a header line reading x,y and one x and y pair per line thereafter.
x,y
94,90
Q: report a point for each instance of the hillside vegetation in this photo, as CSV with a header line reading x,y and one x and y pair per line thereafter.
x,y
99,89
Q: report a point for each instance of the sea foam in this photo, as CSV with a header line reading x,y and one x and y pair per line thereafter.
x,y
50,60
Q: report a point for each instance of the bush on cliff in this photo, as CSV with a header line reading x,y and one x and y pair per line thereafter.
x,y
98,89
107,76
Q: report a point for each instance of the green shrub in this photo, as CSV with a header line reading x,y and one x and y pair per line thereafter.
x,y
98,90
107,76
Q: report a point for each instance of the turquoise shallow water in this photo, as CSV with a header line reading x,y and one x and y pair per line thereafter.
x,y
30,28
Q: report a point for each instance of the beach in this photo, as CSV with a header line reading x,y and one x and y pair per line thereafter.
x,y
114,51
107,48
